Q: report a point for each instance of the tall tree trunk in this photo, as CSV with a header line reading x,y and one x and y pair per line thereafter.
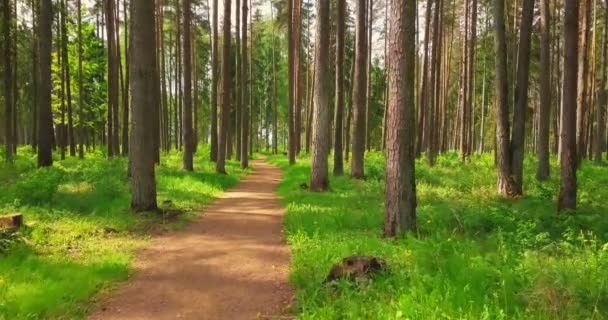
x,y
591,88
470,86
238,86
195,91
81,131
431,86
125,88
543,171
66,61
568,152
400,201
503,154
583,70
422,96
121,77
226,91
34,92
180,73
188,131
359,93
321,122
557,80
368,85
298,83
310,108
8,81
386,67
275,126
521,98
600,133
165,114
214,84
291,85
143,82
15,41
45,115
112,76
61,128
245,92
338,119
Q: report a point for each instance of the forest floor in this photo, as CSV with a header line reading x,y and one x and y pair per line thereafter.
x,y
80,237
476,255
232,263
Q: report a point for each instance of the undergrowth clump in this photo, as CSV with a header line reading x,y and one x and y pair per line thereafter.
x,y
80,236
476,255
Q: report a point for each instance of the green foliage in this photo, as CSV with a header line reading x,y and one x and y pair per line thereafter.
x,y
35,187
94,77
80,236
476,256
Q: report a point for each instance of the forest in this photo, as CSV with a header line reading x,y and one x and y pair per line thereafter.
x,y
300,159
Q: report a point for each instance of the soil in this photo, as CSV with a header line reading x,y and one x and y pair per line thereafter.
x,y
232,263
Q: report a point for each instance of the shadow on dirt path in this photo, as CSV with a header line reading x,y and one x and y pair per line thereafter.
x,y
232,263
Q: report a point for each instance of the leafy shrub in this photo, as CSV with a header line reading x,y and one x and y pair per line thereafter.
x,y
37,187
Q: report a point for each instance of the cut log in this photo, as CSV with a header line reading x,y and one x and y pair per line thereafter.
x,y
11,222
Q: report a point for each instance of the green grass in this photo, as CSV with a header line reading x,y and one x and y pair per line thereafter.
x,y
80,237
477,256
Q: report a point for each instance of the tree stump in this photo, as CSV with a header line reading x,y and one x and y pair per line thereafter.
x,y
11,222
356,267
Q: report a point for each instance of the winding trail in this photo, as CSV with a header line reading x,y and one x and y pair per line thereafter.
x,y
232,263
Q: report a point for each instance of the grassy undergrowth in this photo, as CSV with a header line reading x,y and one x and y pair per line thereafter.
x,y
80,237
477,256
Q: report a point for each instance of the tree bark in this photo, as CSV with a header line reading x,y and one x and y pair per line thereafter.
x,y
600,134
400,201
81,130
470,85
226,91
34,92
521,98
338,119
245,91
112,77
125,89
143,82
275,126
568,152
187,130
165,113
583,70
8,81
68,86
214,83
359,93
319,180
422,96
298,83
505,183
45,115
349,114
543,171
432,86
237,94
61,128
291,85
368,85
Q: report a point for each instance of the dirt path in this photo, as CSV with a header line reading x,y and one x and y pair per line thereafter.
x,y
232,263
